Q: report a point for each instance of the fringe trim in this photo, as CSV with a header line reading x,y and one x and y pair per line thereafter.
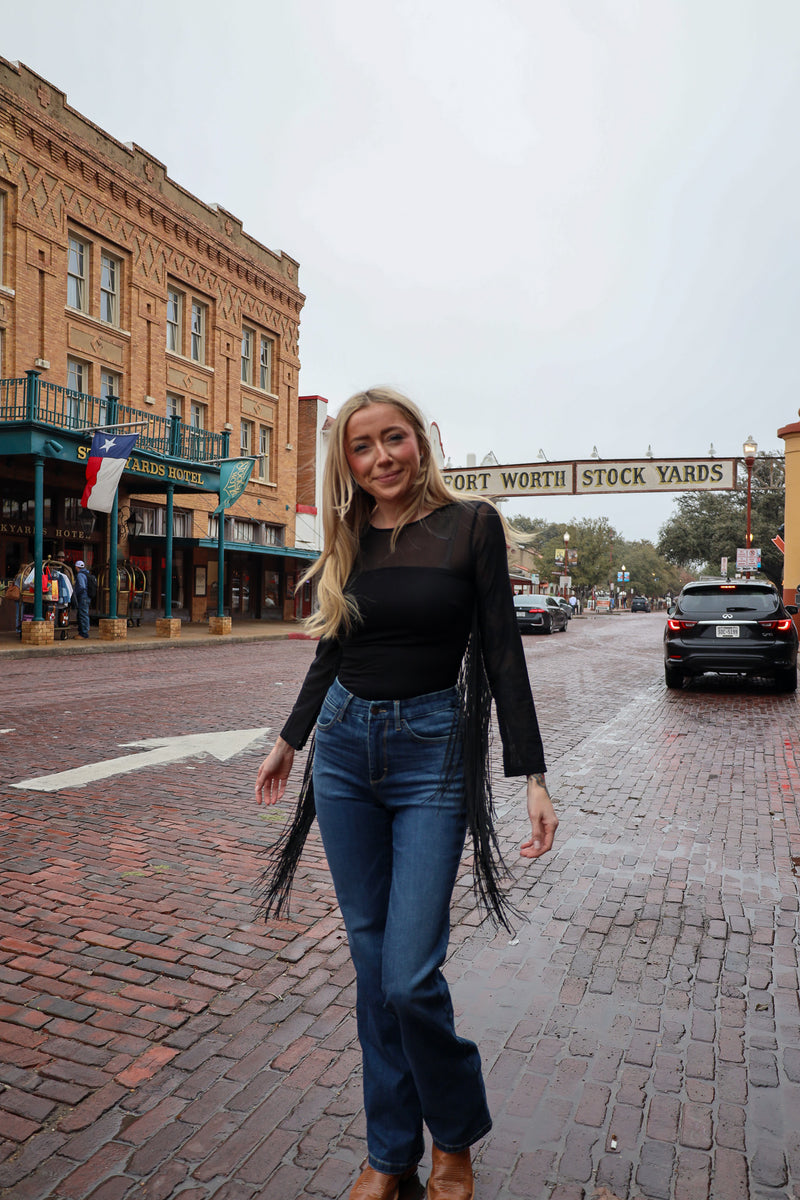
x,y
476,708
275,882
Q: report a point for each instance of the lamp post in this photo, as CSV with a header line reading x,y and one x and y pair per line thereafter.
x,y
566,558
750,449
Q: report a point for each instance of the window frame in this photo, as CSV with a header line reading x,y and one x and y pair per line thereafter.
x,y
248,339
201,309
175,325
265,369
174,405
264,452
196,408
247,431
83,281
113,293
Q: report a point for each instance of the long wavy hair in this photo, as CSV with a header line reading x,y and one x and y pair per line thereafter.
x,y
346,510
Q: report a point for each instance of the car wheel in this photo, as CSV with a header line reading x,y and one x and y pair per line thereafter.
x,y
549,626
786,681
673,676
565,626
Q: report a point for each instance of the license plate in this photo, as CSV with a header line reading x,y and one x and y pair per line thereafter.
x,y
727,631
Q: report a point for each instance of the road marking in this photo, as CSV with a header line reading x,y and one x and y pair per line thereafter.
x,y
222,746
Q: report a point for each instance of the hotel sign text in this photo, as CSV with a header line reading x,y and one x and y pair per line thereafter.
x,y
597,477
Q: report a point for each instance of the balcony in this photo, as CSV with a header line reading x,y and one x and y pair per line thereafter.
x,y
34,401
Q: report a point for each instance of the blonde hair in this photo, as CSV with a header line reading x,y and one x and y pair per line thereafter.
x,y
346,509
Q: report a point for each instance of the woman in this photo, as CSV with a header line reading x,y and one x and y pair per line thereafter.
x,y
414,601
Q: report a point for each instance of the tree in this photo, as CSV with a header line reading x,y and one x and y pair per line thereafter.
x,y
708,526
601,552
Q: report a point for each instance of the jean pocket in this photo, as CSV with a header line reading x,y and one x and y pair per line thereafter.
x,y
330,713
431,728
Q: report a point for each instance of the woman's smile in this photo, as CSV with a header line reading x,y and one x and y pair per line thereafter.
x,y
383,456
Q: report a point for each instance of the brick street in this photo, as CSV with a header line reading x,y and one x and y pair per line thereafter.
x,y
640,1032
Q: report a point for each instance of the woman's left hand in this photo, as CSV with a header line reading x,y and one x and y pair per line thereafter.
x,y
544,821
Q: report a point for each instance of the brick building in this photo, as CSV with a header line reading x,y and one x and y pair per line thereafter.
x,y
124,299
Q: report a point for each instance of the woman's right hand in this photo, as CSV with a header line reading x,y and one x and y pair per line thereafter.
x,y
274,772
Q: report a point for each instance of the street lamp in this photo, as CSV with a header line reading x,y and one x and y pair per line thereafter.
x,y
623,578
566,558
750,449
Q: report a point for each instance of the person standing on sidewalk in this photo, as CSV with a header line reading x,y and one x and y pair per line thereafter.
x,y
81,594
418,631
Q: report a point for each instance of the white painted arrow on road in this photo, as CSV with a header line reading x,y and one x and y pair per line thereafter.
x,y
162,750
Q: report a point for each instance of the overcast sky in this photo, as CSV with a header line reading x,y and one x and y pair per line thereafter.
x,y
554,223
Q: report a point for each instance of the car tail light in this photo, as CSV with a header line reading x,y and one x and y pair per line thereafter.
x,y
675,625
783,625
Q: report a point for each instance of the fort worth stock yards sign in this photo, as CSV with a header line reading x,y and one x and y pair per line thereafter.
x,y
595,477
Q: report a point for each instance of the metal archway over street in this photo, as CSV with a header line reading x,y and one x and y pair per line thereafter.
x,y
597,476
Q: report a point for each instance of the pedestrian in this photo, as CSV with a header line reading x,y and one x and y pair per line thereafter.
x,y
81,596
417,632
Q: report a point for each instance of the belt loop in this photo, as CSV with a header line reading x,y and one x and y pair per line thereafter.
x,y
396,715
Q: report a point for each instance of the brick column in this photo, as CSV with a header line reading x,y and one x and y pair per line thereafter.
x,y
38,633
113,629
791,511
168,627
220,625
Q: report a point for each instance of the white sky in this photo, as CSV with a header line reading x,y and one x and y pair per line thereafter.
x,y
553,223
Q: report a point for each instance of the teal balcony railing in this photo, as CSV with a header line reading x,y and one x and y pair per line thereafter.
x,y
36,401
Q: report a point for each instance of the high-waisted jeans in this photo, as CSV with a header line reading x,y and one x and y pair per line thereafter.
x,y
393,826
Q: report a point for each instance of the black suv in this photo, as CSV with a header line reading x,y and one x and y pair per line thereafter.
x,y
732,627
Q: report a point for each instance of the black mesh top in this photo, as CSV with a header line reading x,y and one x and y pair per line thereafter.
x,y
417,604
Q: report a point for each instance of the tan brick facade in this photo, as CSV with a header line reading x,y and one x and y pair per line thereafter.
x,y
116,280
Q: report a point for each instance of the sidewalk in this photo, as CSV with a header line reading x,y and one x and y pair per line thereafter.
x,y
143,637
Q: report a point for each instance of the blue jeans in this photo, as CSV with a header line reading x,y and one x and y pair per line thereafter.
x,y
82,604
393,829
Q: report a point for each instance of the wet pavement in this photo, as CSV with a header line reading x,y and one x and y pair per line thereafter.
x,y
640,1032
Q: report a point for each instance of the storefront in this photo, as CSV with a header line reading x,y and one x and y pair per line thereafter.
x,y
165,560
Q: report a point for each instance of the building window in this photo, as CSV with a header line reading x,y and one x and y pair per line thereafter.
x,y
2,233
246,447
247,355
78,275
77,384
197,415
265,365
109,289
198,332
174,314
174,405
273,535
109,386
187,325
264,447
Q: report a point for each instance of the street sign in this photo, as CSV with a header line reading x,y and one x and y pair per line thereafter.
x,y
723,566
748,560
779,542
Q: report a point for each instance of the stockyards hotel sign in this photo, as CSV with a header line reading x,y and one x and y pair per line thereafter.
x,y
595,477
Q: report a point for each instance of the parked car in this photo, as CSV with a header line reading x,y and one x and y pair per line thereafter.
x,y
736,627
567,607
539,614
639,604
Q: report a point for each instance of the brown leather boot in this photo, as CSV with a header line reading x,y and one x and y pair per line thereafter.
x,y
374,1185
451,1176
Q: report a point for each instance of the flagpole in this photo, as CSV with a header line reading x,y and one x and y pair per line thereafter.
x,y
112,559
220,561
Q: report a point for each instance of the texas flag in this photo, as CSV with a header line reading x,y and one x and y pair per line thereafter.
x,y
105,464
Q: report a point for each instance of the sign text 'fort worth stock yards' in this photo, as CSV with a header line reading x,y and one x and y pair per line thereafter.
x,y
595,477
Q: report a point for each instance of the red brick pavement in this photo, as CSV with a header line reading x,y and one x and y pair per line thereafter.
x,y
640,1033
